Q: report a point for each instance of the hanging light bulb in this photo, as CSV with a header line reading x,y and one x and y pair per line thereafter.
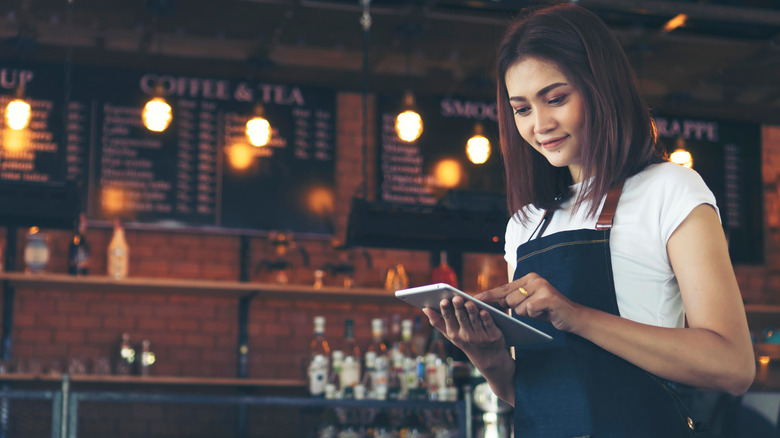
x,y
258,130
18,111
408,124
681,156
157,113
17,114
478,146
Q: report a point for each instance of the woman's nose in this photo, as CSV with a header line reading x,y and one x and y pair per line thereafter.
x,y
543,122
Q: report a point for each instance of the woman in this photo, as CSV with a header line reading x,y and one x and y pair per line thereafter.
x,y
617,254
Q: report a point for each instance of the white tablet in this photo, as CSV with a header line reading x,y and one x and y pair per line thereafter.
x,y
515,332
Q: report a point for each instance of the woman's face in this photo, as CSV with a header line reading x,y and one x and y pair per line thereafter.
x,y
549,112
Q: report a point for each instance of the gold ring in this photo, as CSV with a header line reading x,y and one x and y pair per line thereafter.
x,y
522,291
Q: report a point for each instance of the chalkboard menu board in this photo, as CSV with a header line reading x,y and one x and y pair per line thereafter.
x,y
183,176
726,154
407,171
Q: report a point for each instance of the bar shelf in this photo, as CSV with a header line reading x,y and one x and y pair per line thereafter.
x,y
219,288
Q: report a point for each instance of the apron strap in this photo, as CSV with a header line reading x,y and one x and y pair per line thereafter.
x,y
610,205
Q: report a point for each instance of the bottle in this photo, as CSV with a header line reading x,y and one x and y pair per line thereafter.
x,y
318,359
419,338
78,250
405,362
118,253
333,387
36,251
436,367
147,357
444,273
350,371
379,375
125,356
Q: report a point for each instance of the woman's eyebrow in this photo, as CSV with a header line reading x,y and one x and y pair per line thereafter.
x,y
541,92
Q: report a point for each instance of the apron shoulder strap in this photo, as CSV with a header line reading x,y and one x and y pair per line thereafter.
x,y
610,205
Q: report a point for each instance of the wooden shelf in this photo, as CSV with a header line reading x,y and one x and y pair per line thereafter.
x,y
64,282
158,380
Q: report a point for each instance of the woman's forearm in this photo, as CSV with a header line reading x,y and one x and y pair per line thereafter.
x,y
693,356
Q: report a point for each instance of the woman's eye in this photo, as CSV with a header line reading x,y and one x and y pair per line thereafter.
x,y
522,111
557,100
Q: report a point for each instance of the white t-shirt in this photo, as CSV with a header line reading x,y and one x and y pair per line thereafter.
x,y
652,205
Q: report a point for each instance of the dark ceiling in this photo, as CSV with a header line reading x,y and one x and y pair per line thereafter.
x,y
724,63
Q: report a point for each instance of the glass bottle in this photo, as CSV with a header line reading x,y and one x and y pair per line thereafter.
x,y
444,272
125,356
350,371
36,251
333,387
436,366
78,249
118,253
147,357
380,374
318,359
404,363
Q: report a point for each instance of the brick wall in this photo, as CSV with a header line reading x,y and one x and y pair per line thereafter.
x,y
197,336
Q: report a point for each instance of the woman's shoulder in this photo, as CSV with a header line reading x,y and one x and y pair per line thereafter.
x,y
666,176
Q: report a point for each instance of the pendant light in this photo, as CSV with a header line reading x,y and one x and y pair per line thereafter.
x,y
408,124
258,129
17,113
157,114
478,146
681,155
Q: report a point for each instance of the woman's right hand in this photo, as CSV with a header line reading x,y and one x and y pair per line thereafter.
x,y
468,328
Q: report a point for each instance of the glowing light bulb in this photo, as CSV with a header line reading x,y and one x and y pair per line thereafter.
x,y
478,149
682,157
157,115
447,173
258,131
17,114
409,126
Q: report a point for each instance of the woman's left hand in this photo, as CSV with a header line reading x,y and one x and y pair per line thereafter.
x,y
535,297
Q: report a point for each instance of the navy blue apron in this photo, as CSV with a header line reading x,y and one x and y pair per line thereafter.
x,y
571,387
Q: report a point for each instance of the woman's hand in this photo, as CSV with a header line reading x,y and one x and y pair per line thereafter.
x,y
470,329
535,297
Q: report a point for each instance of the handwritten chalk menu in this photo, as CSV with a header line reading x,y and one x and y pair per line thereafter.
x,y
423,171
727,155
200,172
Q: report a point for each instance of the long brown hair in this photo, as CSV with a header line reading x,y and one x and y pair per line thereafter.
x,y
619,135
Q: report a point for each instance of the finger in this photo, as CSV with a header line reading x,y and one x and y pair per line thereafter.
x,y
474,317
435,319
500,292
490,325
461,314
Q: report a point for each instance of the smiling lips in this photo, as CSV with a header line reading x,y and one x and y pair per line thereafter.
x,y
551,144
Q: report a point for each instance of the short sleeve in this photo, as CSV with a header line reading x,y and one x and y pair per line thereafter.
x,y
682,190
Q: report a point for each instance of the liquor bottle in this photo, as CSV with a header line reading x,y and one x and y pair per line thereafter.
x,y
333,387
78,250
419,338
350,370
379,375
125,356
319,359
118,253
444,273
36,251
436,367
147,357
404,363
